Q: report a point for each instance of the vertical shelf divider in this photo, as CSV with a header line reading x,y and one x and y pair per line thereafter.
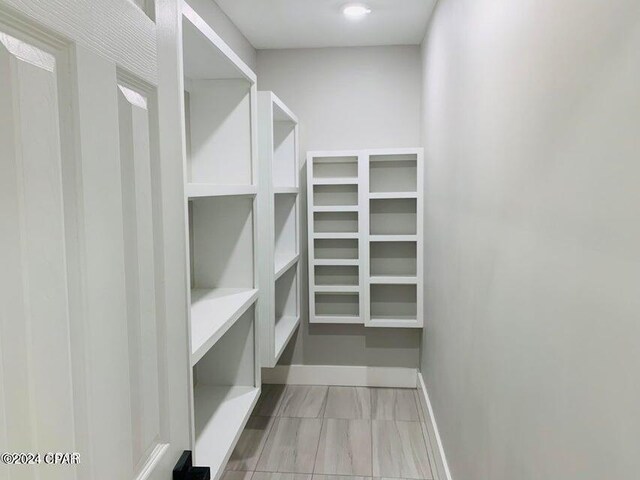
x,y
363,198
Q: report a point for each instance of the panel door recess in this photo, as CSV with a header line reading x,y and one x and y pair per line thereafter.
x,y
84,338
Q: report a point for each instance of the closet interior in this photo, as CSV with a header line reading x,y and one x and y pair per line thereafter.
x,y
243,205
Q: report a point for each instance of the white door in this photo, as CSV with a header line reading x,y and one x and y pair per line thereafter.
x,y
93,336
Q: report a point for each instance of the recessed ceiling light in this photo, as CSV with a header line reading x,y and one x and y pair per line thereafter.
x,y
356,11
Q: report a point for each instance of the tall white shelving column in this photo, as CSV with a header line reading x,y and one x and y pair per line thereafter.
x,y
279,226
220,111
334,197
394,284
366,237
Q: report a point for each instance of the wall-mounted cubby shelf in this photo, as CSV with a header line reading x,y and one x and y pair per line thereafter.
x,y
279,194
366,237
220,103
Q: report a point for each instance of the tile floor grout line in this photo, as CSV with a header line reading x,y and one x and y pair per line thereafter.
x,y
315,460
266,439
326,400
281,402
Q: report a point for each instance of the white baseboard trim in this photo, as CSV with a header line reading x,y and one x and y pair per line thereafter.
x,y
433,430
339,375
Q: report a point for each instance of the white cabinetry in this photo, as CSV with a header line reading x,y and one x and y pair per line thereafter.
x,y
279,244
220,105
366,237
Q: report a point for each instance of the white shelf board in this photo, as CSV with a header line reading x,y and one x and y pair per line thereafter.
x,y
337,236
213,312
336,208
394,280
221,413
284,263
396,322
397,153
205,55
336,181
333,156
337,289
337,262
199,190
393,238
282,113
286,190
343,319
392,195
285,328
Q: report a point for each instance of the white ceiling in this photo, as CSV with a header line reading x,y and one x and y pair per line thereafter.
x,y
320,23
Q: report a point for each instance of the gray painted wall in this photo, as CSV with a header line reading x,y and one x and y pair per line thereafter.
x,y
532,133
348,98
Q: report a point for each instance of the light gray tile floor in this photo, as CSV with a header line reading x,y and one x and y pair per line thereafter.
x,y
345,448
303,401
348,402
332,433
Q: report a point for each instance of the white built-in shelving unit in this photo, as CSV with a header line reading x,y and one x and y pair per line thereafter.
x,y
366,237
279,213
220,116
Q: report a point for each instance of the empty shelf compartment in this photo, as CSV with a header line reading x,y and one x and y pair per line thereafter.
x,y
337,305
213,312
328,195
221,410
393,259
218,128
287,309
393,173
335,167
285,172
336,249
393,217
390,302
221,232
335,222
285,226
336,275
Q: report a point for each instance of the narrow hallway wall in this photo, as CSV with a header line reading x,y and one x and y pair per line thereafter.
x,y
531,123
